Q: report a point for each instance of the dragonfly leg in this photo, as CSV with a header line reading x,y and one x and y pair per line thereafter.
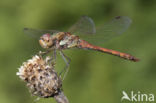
x,y
54,54
67,61
52,59
43,53
49,59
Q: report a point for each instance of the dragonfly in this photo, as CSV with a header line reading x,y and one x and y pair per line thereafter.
x,y
53,40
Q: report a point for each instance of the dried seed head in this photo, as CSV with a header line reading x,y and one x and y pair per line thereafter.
x,y
40,76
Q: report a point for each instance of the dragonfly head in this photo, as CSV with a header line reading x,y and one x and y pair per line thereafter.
x,y
46,41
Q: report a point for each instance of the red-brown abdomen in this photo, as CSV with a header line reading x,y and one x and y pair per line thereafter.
x,y
86,45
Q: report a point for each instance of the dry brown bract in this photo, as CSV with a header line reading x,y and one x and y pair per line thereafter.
x,y
40,76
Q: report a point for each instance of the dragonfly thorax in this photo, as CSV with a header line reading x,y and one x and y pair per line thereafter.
x,y
69,41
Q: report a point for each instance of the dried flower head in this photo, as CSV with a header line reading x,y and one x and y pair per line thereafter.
x,y
40,76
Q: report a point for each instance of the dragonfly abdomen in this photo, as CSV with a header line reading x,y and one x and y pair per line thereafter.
x,y
85,45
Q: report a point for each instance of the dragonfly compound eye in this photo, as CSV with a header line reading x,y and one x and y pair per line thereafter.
x,y
46,41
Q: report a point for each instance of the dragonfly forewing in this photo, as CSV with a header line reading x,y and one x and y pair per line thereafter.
x,y
85,25
37,33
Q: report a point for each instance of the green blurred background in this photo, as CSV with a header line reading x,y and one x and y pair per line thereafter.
x,y
93,77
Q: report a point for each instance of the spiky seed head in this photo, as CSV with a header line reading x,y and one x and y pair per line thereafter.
x,y
40,76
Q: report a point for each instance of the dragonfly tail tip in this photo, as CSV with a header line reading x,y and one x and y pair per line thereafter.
x,y
136,59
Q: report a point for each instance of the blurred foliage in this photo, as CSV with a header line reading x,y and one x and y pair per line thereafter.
x,y
93,77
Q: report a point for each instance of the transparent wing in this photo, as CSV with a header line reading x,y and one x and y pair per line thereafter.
x,y
85,25
36,33
106,31
112,29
